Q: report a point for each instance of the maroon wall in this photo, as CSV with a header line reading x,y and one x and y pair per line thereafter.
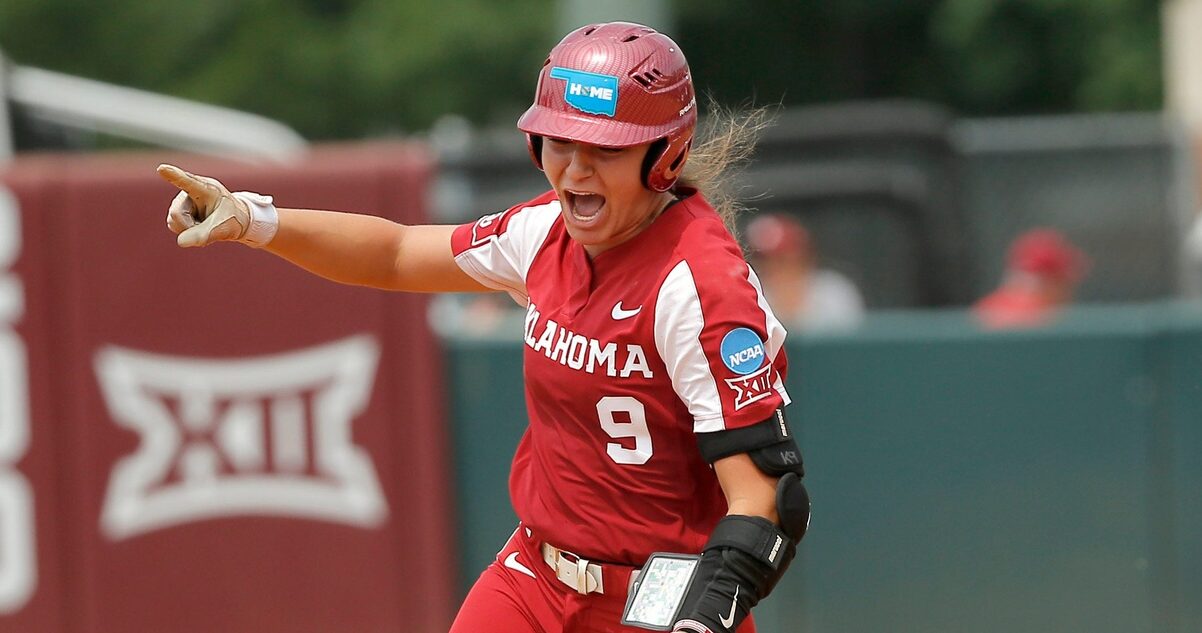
x,y
217,441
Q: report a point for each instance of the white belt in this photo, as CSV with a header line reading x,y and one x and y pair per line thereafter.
x,y
573,571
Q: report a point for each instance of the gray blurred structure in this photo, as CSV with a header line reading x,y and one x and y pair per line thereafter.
x,y
7,145
1181,21
480,171
917,207
60,107
1119,186
876,184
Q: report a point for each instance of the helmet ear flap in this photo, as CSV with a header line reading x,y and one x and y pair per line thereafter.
x,y
534,143
654,153
665,162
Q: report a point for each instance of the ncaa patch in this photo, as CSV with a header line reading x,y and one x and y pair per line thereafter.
x,y
742,351
593,93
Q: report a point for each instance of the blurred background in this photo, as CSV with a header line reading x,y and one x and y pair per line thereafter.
x,y
978,218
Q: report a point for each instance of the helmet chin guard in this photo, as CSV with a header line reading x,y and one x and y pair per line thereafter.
x,y
617,85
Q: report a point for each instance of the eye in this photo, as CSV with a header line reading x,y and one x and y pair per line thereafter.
x,y
613,151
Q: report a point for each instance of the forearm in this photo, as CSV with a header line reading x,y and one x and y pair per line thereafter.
x,y
759,468
344,247
370,251
754,494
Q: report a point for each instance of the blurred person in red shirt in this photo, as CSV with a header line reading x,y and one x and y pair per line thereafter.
x,y
1043,270
802,295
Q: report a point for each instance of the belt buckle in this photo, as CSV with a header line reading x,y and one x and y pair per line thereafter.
x,y
576,572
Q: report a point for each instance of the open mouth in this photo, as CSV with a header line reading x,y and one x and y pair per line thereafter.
x,y
584,206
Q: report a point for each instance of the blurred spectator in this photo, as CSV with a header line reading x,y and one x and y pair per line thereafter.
x,y
1042,272
1192,250
801,294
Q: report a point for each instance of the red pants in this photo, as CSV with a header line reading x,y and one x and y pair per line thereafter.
x,y
519,593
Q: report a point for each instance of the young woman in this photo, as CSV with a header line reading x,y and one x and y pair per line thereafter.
x,y
654,367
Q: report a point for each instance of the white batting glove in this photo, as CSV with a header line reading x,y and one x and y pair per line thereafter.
x,y
690,626
205,211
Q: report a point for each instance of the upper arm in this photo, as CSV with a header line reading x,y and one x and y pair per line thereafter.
x,y
721,345
425,262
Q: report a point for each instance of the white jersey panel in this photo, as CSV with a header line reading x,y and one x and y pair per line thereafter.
x,y
776,331
678,325
500,256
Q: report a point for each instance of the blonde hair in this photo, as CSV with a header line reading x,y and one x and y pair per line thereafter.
x,y
725,142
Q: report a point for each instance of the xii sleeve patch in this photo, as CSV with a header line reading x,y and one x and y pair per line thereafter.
x,y
743,353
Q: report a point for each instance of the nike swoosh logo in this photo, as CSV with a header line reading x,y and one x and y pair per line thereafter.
x,y
729,619
618,313
511,562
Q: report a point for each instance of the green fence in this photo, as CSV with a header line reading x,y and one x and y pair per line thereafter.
x,y
1044,480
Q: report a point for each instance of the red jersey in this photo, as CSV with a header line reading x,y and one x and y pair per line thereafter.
x,y
627,356
1014,308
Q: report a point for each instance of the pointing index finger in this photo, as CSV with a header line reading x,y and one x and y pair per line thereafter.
x,y
196,188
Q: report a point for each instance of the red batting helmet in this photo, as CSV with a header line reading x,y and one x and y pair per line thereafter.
x,y
1047,253
617,85
771,236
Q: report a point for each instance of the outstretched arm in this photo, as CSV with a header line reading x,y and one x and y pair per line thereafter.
x,y
345,247
371,251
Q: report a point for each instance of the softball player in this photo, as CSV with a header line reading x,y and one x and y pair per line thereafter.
x,y
654,367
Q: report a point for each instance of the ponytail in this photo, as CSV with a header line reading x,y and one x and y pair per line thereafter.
x,y
725,142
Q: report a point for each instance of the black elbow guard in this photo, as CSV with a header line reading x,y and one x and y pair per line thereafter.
x,y
793,506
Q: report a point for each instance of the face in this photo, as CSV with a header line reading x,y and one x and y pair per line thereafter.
x,y
601,191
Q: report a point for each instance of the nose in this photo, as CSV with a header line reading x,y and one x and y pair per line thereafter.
x,y
580,163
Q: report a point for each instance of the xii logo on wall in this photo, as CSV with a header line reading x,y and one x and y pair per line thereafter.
x,y
18,538
252,436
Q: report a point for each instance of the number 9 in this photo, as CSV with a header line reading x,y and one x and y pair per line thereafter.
x,y
636,428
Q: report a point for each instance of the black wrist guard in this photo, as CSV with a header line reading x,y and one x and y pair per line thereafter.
x,y
741,563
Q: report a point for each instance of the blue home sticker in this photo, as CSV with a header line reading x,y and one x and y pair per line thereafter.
x,y
588,92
